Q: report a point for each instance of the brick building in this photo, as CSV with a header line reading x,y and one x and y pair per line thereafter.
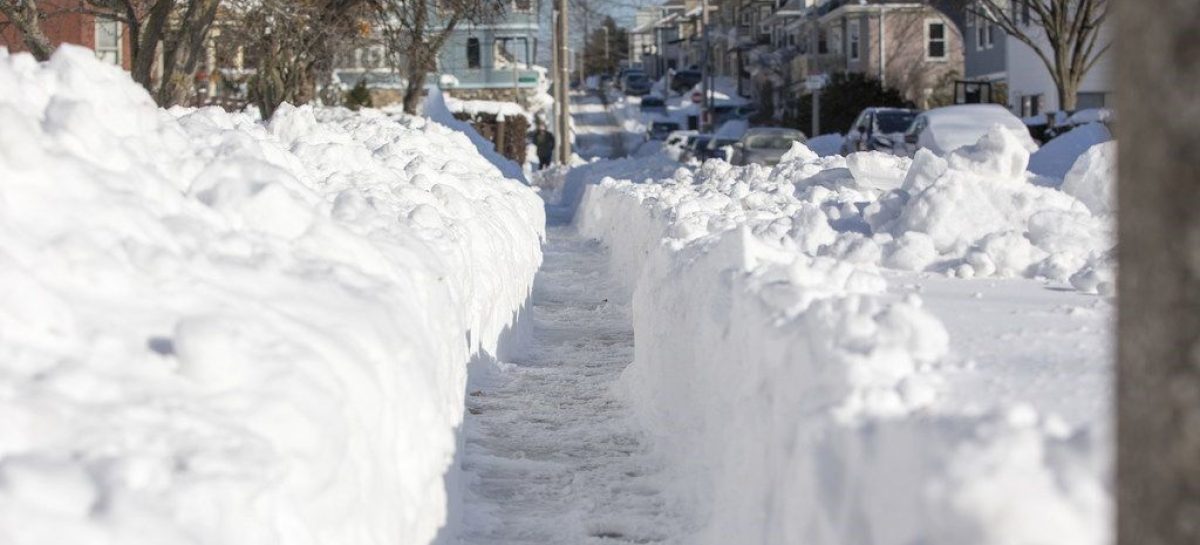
x,y
65,21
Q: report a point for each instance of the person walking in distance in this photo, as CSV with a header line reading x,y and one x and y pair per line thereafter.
x,y
544,141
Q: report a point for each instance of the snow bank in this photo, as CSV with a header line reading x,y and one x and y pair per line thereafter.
x,y
795,394
218,331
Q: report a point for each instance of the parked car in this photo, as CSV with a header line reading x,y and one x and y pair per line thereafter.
x,y
878,129
720,148
659,130
726,112
636,83
684,80
765,145
697,148
676,142
653,104
944,130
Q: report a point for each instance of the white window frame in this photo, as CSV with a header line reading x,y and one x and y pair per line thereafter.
x,y
945,39
854,39
116,51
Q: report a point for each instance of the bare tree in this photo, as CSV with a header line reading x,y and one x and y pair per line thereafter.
x,y
1067,35
293,43
416,30
24,15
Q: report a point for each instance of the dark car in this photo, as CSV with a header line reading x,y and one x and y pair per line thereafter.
x,y
684,80
697,148
877,129
653,104
636,83
659,130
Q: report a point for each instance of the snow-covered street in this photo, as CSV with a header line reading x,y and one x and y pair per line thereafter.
x,y
597,133
551,455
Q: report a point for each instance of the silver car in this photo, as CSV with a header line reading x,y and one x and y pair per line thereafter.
x,y
765,145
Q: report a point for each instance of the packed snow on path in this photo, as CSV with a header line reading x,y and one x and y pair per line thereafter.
x,y
597,133
552,455
217,330
871,349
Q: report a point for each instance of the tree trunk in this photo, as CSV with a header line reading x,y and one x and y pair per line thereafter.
x,y
1158,374
413,89
179,62
28,21
1068,93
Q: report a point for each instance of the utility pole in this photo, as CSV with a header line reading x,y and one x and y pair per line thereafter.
x,y
705,72
562,81
607,59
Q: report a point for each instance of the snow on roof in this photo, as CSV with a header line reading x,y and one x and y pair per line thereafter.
x,y
486,107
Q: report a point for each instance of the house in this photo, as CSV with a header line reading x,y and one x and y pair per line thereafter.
x,y
68,22
1018,76
495,60
912,47
487,61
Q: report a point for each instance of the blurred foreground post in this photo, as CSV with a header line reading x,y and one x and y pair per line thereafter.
x,y
1158,390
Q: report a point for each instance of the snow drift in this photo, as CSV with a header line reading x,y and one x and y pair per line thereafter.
x,y
794,393
218,331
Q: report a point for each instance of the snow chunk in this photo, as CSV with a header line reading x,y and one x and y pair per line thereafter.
x,y
1092,179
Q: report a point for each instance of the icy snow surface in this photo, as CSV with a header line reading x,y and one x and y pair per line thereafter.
x,y
214,330
551,453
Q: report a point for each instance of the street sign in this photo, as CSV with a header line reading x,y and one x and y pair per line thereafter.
x,y
816,83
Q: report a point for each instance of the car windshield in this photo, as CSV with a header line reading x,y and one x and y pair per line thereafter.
x,y
652,102
771,141
636,78
661,126
701,142
888,122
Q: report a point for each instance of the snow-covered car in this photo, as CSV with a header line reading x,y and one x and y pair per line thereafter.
x,y
765,145
877,129
697,148
676,142
943,130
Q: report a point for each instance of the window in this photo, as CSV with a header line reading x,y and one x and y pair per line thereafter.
x,y
1031,105
822,42
1025,9
835,40
1084,101
935,40
108,40
473,56
853,43
980,37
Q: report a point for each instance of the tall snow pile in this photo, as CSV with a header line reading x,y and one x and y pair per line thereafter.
x,y
795,395
218,331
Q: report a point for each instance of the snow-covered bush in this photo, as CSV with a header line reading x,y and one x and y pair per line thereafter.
x,y
214,330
